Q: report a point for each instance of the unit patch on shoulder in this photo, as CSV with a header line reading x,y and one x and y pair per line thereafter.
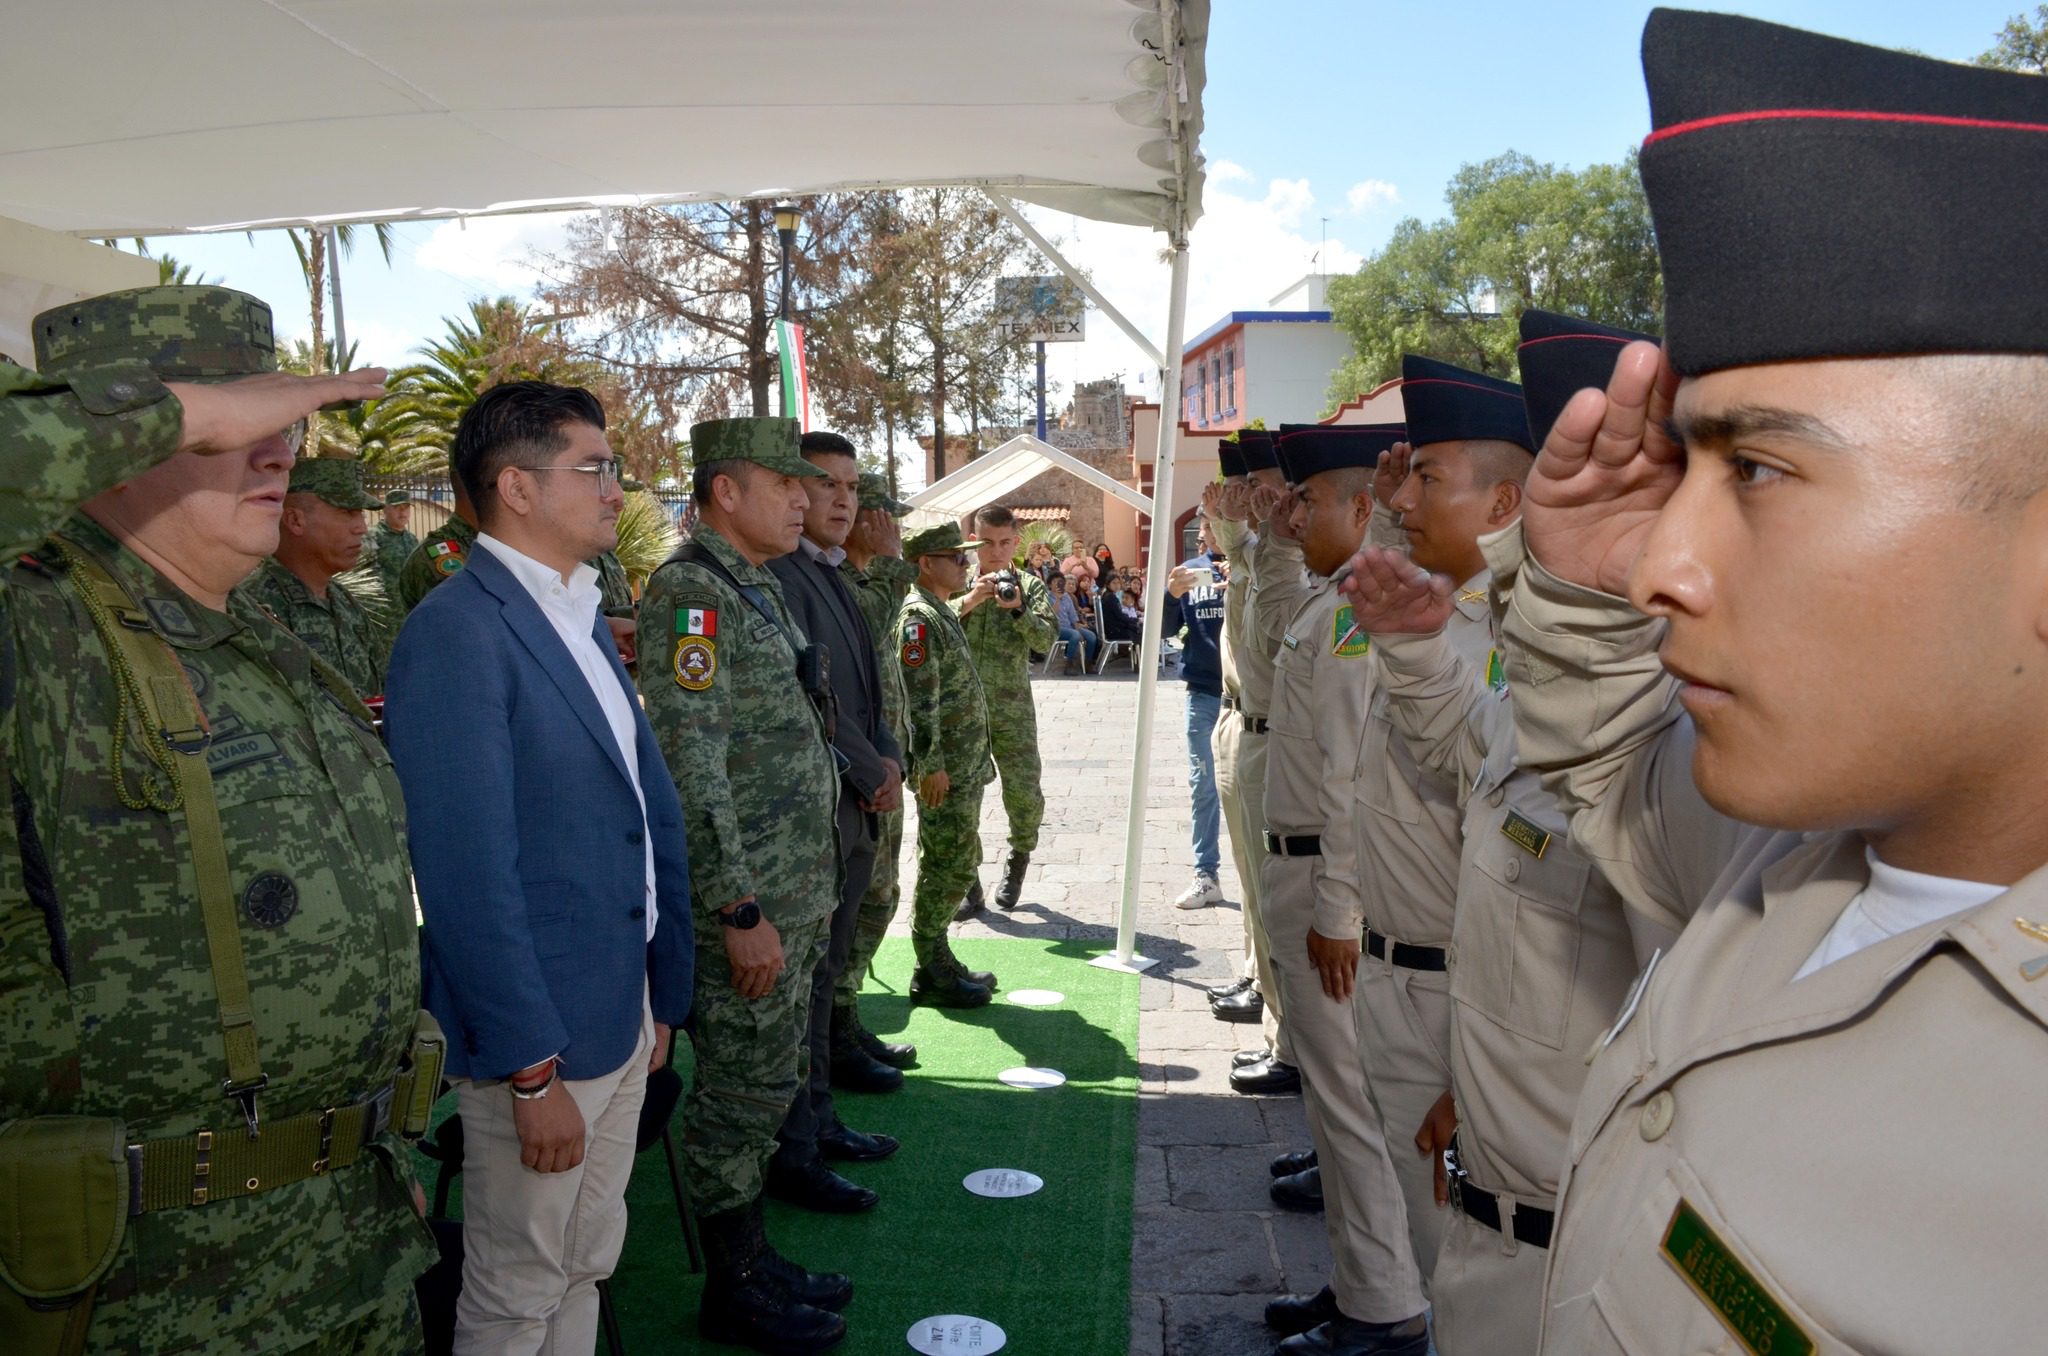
x,y
914,651
1346,640
696,662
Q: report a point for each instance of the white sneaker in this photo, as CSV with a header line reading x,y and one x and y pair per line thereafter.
x,y
1204,892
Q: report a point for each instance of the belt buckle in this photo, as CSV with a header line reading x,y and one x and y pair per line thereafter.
x,y
244,1096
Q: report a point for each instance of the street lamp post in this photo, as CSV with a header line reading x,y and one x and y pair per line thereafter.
x,y
787,215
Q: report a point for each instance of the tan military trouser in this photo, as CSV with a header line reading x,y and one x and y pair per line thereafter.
x,y
1487,1290
1241,786
1404,1033
1373,1272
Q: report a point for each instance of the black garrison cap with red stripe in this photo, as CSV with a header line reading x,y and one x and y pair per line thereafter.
x,y
1311,449
1817,198
1446,404
1229,458
1255,449
1561,356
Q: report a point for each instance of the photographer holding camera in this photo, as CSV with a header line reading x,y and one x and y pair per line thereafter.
x,y
1007,615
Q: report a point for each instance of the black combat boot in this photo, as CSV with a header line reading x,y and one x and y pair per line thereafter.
x,y
892,1053
745,1304
853,1068
972,904
985,978
1012,888
819,1289
941,980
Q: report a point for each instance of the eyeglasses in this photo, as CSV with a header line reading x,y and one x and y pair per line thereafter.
x,y
295,437
607,473
963,560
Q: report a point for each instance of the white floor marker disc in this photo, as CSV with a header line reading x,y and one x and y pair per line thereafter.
x,y
1028,1077
1037,998
946,1334
1002,1183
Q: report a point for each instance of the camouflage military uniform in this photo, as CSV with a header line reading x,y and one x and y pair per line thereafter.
x,y
948,727
1002,640
446,549
880,590
107,1001
386,550
337,628
760,791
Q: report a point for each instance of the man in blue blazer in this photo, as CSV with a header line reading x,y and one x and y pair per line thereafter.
x,y
548,851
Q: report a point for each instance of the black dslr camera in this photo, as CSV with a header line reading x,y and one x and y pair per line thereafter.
x,y
1007,587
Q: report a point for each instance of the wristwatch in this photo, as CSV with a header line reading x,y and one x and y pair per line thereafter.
x,y
743,916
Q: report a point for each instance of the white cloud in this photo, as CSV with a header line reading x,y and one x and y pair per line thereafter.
x,y
1227,172
495,252
1370,194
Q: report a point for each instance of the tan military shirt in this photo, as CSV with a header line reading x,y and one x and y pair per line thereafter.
x,y
1541,954
1848,1163
1320,693
1280,582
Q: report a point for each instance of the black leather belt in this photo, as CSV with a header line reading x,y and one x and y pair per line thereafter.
x,y
1230,703
1255,724
1532,1226
1406,956
1300,845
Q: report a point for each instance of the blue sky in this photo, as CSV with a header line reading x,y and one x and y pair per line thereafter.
x,y
1341,109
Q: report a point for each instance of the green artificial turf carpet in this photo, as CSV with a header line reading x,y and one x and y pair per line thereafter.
x,y
1051,1269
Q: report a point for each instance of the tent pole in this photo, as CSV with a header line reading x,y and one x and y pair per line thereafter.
x,y
334,289
1162,558
1074,275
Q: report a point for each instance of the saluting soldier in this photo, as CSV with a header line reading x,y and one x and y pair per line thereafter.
x,y
1311,892
211,969
1540,955
734,691
950,760
320,536
1788,672
880,578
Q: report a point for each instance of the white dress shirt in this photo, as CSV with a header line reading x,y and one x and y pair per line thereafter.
x,y
1895,902
571,608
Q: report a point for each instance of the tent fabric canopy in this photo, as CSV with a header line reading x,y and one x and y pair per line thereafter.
x,y
988,479
133,119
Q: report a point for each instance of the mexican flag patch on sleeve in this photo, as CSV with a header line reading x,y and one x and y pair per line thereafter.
x,y
697,621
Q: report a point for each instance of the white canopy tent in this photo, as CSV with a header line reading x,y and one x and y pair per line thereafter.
x,y
989,478
127,118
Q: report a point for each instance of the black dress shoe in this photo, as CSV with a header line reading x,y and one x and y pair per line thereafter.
x,y
1291,1314
891,1053
846,1145
1244,1057
1286,1165
1235,986
1343,1336
972,904
1245,1006
816,1187
855,1070
1301,1191
1267,1076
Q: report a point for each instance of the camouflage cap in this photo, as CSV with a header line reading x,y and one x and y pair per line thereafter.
x,y
183,333
338,480
874,494
397,497
936,541
769,442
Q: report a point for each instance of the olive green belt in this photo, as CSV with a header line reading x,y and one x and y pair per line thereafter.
x,y
218,1165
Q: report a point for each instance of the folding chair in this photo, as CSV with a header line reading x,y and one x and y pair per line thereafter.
x,y
1057,650
1110,648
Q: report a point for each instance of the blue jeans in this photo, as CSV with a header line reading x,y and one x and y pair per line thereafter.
x,y
1206,827
1083,643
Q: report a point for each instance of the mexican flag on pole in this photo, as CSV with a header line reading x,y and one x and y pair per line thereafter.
x,y
796,381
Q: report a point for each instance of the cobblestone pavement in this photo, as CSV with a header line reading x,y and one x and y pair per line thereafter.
x,y
1209,1247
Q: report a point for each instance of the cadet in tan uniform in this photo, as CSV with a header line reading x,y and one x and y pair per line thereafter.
x,y
1310,891
1817,1126
1470,435
1251,633
1540,952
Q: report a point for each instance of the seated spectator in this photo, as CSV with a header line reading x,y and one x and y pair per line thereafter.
x,y
1105,560
1078,566
1134,605
1041,562
1067,616
1117,621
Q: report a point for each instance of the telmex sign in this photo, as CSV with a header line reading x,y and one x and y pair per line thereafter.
x,y
1041,310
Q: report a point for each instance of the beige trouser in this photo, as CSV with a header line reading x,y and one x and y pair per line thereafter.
x,y
1404,1032
1487,1290
1241,786
1373,1274
536,1244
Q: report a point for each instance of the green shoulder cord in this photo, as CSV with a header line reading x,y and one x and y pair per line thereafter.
x,y
154,700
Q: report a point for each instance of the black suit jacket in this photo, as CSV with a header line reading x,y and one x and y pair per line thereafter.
x,y
824,607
